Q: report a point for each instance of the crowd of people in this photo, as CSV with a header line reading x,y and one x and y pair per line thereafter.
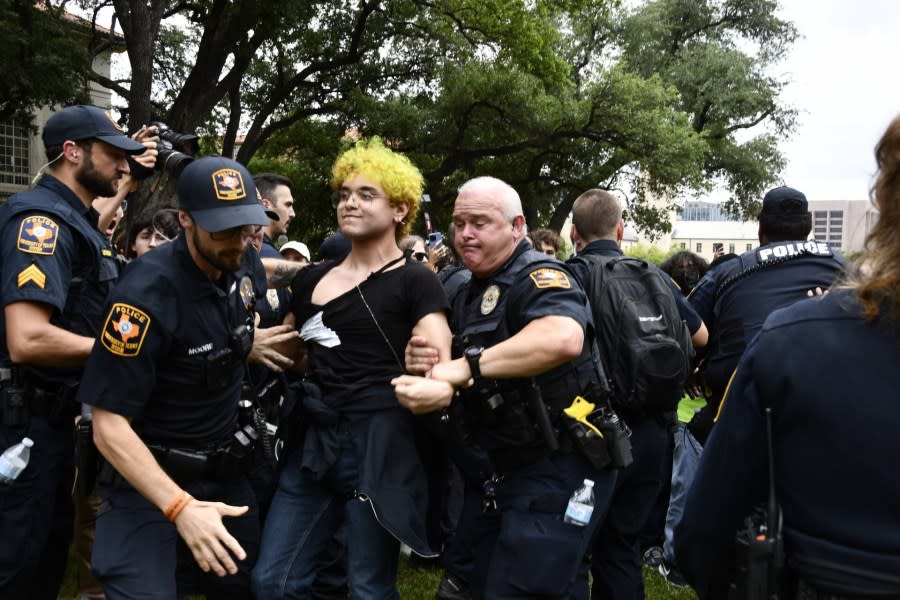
x,y
253,421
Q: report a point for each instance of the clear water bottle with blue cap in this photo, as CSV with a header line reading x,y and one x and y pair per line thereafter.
x,y
14,460
581,505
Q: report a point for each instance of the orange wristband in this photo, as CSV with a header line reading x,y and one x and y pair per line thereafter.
x,y
177,505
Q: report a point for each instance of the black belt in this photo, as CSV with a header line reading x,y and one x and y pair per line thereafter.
x,y
54,405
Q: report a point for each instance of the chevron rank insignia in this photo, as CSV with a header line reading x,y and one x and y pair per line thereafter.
x,y
33,275
124,331
37,235
550,278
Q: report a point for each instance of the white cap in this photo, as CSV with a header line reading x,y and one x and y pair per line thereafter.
x,y
27,442
297,247
589,482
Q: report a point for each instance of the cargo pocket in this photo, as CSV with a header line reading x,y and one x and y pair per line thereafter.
x,y
544,551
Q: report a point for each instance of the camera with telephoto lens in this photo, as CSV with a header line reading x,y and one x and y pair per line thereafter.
x,y
176,150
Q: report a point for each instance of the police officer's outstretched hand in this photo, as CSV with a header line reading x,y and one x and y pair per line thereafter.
x,y
420,395
200,526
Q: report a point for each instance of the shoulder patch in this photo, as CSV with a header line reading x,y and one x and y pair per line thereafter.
x,y
125,329
38,235
32,274
550,278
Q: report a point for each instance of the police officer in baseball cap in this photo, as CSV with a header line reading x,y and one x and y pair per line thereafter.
x,y
57,270
164,381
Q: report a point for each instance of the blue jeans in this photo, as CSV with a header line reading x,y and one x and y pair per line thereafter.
x,y
684,466
302,519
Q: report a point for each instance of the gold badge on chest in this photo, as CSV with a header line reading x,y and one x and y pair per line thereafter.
x,y
489,299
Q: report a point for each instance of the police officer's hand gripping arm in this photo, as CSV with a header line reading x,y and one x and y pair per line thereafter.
x,y
541,345
418,394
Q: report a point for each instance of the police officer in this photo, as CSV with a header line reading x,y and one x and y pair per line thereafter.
x,y
597,229
522,320
734,298
164,381
828,370
56,271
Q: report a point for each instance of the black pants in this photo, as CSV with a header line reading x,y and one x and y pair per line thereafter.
x,y
37,513
616,562
139,554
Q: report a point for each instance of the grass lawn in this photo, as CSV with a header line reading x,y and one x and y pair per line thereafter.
x,y
421,584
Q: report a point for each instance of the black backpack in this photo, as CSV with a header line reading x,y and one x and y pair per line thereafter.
x,y
644,343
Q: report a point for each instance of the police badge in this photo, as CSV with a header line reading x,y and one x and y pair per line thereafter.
x,y
489,299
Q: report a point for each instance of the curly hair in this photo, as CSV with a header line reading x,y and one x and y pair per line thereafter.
x,y
393,171
877,281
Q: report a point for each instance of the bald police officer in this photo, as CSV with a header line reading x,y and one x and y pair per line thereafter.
x,y
522,320
164,381
57,269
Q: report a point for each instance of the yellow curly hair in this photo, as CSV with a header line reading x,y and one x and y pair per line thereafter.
x,y
393,171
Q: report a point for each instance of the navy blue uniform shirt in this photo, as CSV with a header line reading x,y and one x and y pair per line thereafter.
x,y
532,297
832,381
773,276
155,358
52,253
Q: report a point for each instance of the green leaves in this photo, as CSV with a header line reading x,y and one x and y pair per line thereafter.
x,y
655,100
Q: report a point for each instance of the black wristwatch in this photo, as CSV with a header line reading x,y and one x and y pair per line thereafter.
x,y
473,356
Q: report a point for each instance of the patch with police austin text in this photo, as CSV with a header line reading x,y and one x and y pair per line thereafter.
x,y
38,235
229,185
125,329
550,278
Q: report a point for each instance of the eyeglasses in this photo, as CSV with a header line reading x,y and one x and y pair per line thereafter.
x,y
247,231
363,195
420,256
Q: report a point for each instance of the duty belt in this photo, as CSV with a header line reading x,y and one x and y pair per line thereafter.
x,y
229,461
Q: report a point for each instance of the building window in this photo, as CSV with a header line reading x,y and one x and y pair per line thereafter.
x,y
14,154
699,247
684,245
731,248
749,247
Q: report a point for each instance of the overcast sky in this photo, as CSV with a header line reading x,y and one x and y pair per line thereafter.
x,y
844,81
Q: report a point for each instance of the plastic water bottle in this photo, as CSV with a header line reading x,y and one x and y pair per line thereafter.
x,y
581,505
14,460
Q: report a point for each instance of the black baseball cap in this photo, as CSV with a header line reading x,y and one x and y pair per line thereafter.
x,y
83,122
784,201
219,194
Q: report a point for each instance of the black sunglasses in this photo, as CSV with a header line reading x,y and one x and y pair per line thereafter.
x,y
420,256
